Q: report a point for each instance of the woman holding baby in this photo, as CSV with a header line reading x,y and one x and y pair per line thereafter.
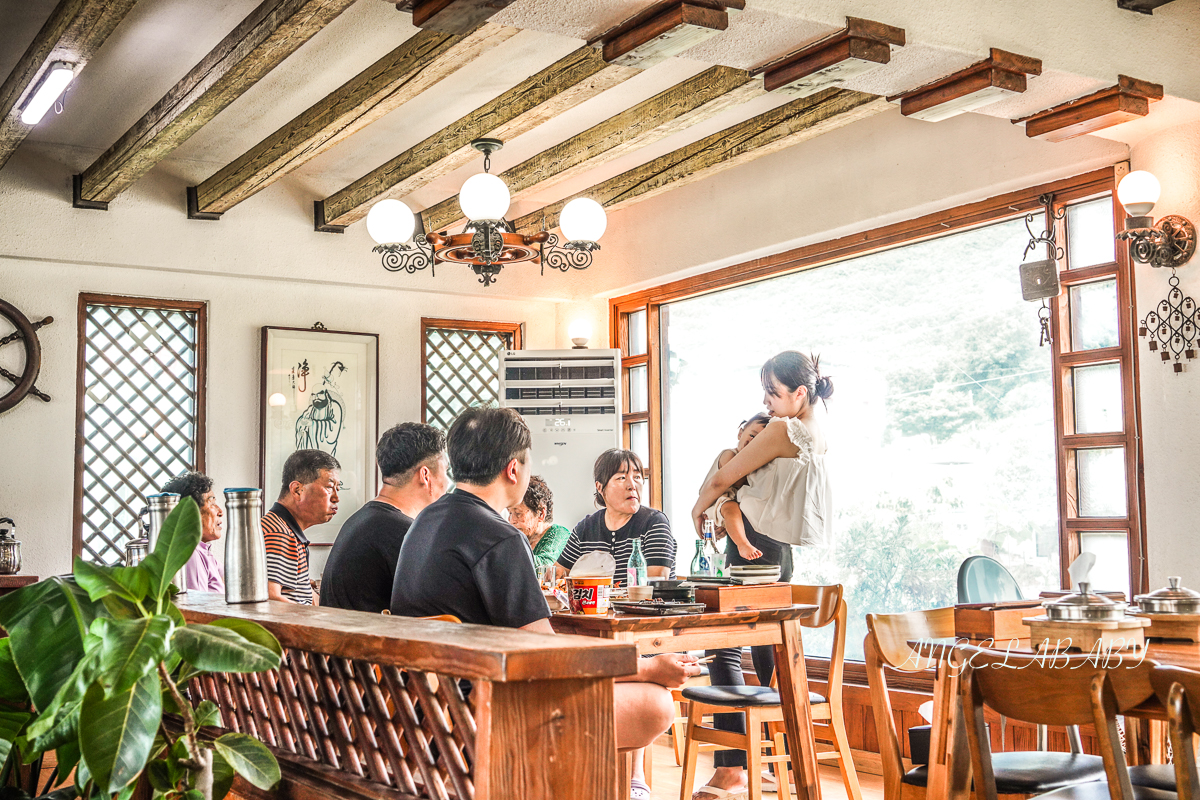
x,y
784,499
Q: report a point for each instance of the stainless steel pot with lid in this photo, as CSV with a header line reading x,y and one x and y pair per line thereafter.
x,y
1173,599
1084,606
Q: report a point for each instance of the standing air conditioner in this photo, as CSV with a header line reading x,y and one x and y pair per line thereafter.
x,y
570,400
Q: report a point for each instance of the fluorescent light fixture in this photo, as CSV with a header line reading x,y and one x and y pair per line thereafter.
x,y
53,83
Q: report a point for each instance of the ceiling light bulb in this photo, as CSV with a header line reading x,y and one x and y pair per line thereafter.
x,y
484,196
1138,192
276,400
53,83
390,222
583,220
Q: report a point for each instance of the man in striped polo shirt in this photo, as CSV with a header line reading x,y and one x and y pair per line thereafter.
x,y
309,497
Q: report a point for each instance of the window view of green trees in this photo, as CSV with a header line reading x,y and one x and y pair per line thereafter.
x,y
940,428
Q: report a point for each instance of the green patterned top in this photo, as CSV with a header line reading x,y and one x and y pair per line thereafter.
x,y
550,545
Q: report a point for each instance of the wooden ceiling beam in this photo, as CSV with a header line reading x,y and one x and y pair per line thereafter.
x,y
983,83
1129,99
863,45
666,29
453,16
780,128
700,97
73,33
571,80
419,63
272,32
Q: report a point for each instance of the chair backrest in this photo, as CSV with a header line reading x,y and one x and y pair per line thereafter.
x,y
982,579
886,644
831,610
1049,689
1179,691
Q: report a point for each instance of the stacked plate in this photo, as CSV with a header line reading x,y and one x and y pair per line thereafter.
x,y
753,575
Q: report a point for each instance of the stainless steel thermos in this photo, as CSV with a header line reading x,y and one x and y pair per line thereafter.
x,y
245,550
10,548
159,506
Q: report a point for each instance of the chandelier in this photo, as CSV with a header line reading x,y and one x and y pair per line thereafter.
x,y
488,242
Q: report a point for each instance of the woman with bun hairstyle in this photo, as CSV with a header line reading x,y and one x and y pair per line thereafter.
x,y
786,501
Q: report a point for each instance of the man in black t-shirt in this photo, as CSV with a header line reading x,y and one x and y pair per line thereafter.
x,y
461,557
362,563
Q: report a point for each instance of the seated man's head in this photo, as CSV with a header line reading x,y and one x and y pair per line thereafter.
x,y
413,456
310,487
490,447
535,513
199,487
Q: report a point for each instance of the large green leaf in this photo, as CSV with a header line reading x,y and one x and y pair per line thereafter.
x,y
46,623
223,776
100,581
215,649
250,758
11,723
68,757
117,732
131,648
208,713
12,688
252,631
177,540
68,697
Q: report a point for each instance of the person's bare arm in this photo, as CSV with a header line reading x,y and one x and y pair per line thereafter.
x,y
669,670
658,572
560,571
540,626
275,592
769,445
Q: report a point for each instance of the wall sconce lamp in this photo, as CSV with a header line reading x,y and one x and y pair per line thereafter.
x,y
579,332
1171,242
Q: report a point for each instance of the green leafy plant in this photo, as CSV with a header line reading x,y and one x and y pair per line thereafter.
x,y
95,659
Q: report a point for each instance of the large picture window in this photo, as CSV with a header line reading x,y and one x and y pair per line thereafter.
x,y
952,432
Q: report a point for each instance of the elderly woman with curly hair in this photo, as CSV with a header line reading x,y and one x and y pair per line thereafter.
x,y
534,517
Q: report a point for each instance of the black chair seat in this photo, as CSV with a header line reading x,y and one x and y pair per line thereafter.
x,y
1031,772
1098,790
1154,776
740,696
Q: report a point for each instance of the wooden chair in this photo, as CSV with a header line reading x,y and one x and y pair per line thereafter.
x,y
1179,689
1066,690
887,645
761,705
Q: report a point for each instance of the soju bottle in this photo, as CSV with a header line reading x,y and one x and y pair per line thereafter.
x,y
697,560
636,571
706,548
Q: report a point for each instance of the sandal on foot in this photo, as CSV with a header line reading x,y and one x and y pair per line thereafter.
x,y
639,791
718,793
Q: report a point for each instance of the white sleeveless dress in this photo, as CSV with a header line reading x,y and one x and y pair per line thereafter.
x,y
790,499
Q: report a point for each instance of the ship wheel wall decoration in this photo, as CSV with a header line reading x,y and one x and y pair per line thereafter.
x,y
26,333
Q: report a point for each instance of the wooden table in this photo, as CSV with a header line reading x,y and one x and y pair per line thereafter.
x,y
769,626
950,778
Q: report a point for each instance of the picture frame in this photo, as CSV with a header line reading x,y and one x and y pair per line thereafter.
x,y
320,389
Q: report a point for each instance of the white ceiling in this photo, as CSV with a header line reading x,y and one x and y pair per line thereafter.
x,y
1084,44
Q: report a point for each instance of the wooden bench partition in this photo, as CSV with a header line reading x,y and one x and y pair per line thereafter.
x,y
368,707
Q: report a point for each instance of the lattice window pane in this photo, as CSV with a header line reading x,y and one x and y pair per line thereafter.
x,y
462,369
140,412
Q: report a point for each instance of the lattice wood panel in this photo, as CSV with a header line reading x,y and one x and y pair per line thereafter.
x,y
139,416
412,732
462,369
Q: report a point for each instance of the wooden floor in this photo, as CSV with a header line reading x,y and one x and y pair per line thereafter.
x,y
667,777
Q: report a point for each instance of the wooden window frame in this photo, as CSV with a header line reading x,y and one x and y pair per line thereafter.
x,y
200,308
1010,205
515,329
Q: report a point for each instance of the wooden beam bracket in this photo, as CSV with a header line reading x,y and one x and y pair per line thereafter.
x,y
1129,99
666,29
983,83
78,200
193,207
319,223
863,45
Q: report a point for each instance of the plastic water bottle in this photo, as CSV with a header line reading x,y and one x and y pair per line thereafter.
x,y
636,571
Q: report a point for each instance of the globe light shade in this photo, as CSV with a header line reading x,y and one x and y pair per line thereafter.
x,y
583,220
390,222
484,196
1138,192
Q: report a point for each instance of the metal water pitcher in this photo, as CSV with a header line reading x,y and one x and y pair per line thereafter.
x,y
245,549
160,505
10,548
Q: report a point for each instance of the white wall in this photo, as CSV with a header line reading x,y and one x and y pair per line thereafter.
x,y
1170,425
49,253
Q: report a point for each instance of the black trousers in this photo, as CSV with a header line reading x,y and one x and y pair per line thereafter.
x,y
726,667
